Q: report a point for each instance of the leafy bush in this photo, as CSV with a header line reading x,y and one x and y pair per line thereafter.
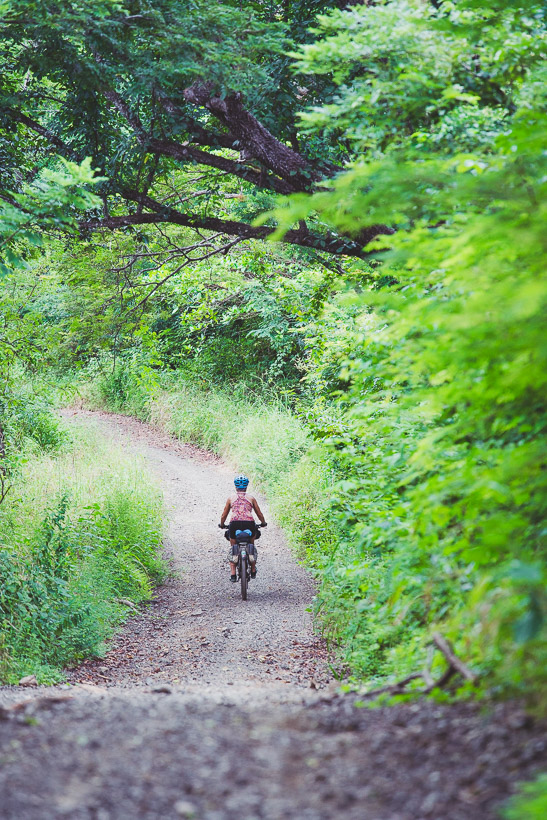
x,y
27,414
127,383
530,804
62,575
442,440
34,421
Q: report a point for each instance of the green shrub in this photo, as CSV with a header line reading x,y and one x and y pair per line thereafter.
x,y
262,438
530,803
27,417
125,385
63,571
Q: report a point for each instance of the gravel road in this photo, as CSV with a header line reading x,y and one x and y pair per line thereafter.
x,y
198,631
212,708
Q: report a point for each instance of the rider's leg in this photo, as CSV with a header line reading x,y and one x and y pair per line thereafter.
x,y
232,563
252,555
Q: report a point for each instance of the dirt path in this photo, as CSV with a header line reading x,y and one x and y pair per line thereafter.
x,y
198,630
212,708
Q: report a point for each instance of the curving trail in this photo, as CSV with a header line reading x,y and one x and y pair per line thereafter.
x,y
198,630
212,708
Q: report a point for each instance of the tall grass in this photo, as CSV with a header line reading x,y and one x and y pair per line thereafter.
x,y
379,605
266,441
80,531
257,435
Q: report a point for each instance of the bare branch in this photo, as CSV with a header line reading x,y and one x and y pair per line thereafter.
x,y
442,644
393,688
187,261
455,665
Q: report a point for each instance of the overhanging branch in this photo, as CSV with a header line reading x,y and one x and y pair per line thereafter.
x,y
198,134
65,149
281,159
328,243
257,141
187,153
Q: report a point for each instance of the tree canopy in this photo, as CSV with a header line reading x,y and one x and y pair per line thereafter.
x,y
398,149
161,94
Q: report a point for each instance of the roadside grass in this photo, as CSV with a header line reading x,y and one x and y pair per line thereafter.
x,y
378,605
530,803
260,437
79,532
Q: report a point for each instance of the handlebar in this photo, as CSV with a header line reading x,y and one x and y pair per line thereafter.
x,y
226,527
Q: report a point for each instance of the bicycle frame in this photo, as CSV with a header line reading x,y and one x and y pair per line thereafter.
x,y
245,548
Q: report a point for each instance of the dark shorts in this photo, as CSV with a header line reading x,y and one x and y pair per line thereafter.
x,y
242,525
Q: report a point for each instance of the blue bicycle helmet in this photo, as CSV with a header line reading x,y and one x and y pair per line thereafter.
x,y
241,482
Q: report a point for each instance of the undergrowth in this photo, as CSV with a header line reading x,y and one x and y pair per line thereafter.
x,y
530,803
80,532
380,605
262,438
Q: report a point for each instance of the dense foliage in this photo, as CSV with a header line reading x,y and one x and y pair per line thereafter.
x,y
80,533
412,353
443,439
160,95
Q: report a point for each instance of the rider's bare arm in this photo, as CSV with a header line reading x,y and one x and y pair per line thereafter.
x,y
225,511
258,511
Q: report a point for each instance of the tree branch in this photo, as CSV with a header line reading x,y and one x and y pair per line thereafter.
x,y
198,134
257,140
457,664
393,688
284,162
328,243
170,148
63,147
187,153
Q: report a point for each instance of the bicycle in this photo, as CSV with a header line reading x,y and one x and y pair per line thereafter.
x,y
245,548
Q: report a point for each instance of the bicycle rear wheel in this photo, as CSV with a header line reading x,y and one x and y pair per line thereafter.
x,y
244,578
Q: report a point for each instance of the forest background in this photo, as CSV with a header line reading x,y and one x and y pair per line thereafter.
x,y
306,236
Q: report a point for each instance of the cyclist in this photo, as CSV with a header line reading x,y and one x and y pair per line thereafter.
x,y
242,518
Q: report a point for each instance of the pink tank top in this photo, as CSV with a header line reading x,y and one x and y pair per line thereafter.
x,y
242,508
